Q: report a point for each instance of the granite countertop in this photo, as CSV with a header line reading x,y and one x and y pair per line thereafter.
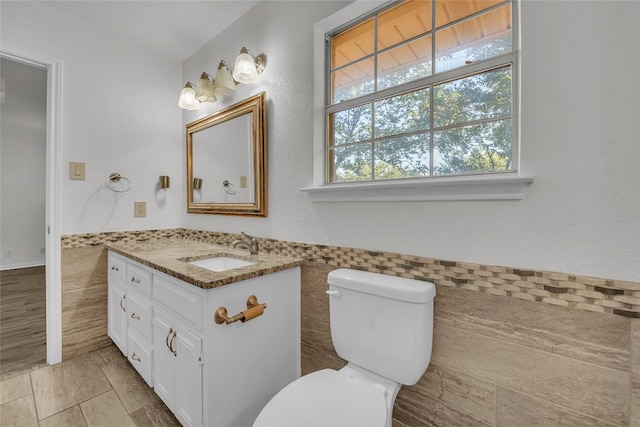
x,y
172,256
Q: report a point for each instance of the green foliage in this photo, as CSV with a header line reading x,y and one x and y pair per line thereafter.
x,y
397,137
470,143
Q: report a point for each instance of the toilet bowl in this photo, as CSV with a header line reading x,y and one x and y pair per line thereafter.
x,y
325,398
383,327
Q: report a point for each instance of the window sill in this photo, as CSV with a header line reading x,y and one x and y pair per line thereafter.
x,y
510,187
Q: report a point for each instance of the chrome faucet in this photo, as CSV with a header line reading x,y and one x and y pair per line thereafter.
x,y
249,243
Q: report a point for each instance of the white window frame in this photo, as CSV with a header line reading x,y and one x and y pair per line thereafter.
x,y
495,186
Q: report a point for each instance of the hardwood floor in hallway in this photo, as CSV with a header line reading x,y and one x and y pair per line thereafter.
x,y
22,319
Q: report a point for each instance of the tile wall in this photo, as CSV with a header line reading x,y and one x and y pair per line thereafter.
x,y
511,347
84,300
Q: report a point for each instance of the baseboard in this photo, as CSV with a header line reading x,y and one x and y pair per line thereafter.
x,y
22,265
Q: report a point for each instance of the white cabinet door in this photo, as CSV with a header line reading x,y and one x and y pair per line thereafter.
x,y
117,326
177,368
188,378
163,357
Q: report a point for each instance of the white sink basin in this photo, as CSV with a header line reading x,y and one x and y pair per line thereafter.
x,y
221,263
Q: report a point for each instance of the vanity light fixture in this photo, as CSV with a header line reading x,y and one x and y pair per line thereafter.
x,y
224,80
246,70
204,90
248,67
188,99
197,183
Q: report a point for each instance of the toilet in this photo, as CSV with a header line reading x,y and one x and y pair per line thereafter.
x,y
383,327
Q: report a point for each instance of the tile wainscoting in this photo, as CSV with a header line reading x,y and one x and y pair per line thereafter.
x,y
512,347
84,300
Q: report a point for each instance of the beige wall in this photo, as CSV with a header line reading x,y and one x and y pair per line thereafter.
x,y
498,360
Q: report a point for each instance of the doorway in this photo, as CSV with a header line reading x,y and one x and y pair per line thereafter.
x,y
23,105
49,225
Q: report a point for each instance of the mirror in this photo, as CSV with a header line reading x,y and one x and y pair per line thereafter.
x,y
227,161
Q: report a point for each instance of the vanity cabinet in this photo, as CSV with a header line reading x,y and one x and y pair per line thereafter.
x,y
208,374
129,313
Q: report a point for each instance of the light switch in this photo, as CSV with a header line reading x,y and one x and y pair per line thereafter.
x,y
243,182
139,209
76,170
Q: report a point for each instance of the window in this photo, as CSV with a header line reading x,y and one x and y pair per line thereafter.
x,y
421,89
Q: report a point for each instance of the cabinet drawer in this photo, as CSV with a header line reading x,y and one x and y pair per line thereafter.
x,y
179,299
139,279
141,356
139,314
116,267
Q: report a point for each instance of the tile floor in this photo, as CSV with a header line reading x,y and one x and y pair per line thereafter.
x,y
98,389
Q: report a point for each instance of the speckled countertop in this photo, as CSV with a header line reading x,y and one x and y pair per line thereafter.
x,y
172,256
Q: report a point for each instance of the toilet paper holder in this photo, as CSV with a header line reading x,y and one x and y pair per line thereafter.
x,y
254,309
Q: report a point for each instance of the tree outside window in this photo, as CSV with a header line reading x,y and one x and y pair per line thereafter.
x,y
422,89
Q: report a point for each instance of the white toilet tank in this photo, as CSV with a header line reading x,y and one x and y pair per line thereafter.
x,y
382,323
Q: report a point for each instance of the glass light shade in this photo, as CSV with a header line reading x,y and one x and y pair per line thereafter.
x,y
204,90
224,80
245,71
188,99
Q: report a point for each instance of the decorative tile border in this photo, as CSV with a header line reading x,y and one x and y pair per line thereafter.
x,y
579,292
96,239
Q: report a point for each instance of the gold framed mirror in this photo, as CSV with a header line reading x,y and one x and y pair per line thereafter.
x,y
227,160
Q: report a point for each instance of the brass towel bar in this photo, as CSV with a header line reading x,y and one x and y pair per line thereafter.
x,y
254,309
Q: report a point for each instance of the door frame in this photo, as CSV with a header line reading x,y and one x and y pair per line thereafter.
x,y
52,203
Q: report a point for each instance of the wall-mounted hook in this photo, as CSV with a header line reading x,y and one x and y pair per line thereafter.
x,y
165,182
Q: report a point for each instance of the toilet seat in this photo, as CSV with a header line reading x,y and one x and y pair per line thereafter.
x,y
325,398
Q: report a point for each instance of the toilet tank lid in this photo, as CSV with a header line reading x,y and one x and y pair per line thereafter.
x,y
398,288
